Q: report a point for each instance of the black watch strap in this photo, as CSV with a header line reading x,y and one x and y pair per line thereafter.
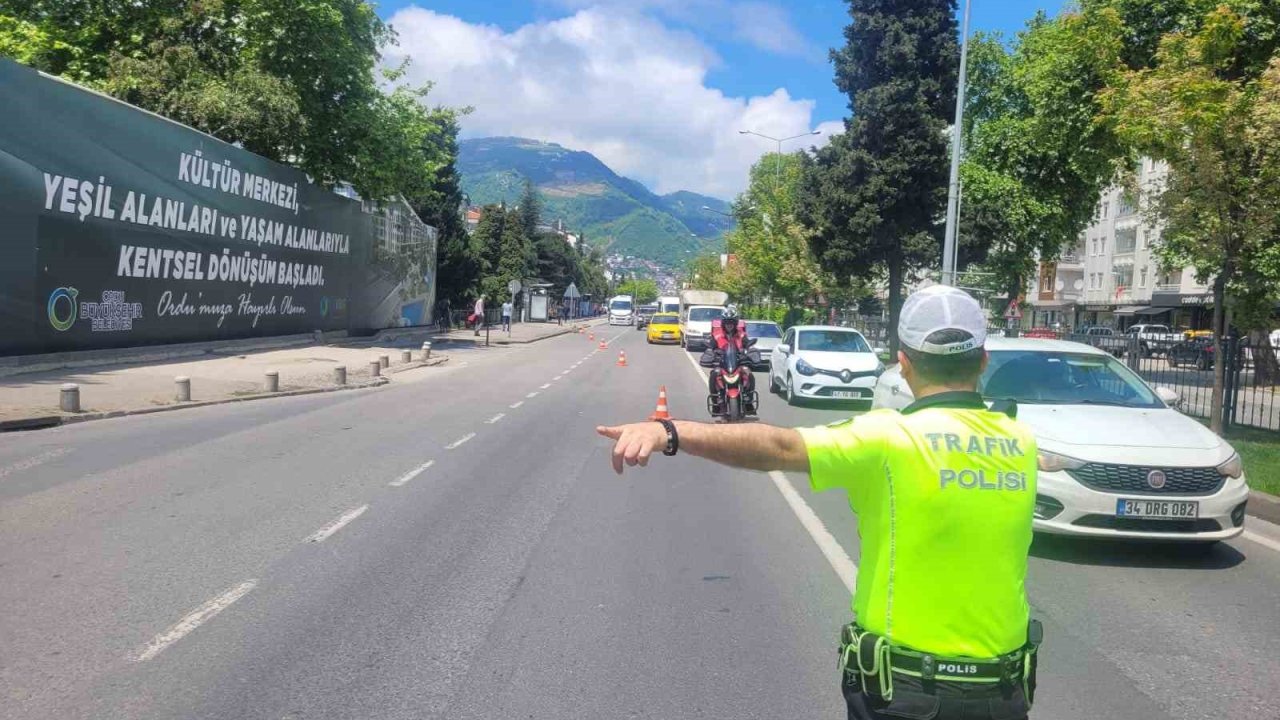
x,y
673,438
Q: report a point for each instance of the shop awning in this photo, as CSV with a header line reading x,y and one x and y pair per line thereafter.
x,y
1153,311
1051,304
1131,309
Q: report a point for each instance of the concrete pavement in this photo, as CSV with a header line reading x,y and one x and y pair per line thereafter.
x,y
456,546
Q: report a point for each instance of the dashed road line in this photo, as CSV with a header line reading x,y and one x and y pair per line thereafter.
x,y
195,619
544,386
516,404
33,461
459,442
533,394
327,531
411,474
557,377
495,418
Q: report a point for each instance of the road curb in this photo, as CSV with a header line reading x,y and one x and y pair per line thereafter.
x,y
54,420
1264,505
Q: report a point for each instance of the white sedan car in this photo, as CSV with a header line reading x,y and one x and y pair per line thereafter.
x,y
823,363
1115,459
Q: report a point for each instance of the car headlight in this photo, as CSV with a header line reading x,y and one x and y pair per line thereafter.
x,y
1232,468
1053,462
805,368
879,369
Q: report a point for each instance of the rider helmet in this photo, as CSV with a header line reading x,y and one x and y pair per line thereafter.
x,y
729,320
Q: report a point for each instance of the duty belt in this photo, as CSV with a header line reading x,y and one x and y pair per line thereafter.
x,y
875,660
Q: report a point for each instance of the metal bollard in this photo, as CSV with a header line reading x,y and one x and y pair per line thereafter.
x,y
182,388
340,375
426,351
375,368
69,398
385,360
406,356
273,381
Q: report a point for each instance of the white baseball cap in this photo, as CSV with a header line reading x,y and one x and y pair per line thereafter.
x,y
941,307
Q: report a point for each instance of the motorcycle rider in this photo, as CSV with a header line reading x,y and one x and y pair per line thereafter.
x,y
729,331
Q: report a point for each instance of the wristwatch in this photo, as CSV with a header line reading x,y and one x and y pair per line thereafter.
x,y
673,438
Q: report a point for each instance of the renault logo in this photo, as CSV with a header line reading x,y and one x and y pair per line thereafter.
x,y
846,375
1156,479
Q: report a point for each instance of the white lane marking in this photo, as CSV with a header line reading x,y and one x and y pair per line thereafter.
x,y
328,530
495,418
195,619
1261,540
835,553
544,386
558,377
827,543
459,442
33,461
411,474
533,394
516,404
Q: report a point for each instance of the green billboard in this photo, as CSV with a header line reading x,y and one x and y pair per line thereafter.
x,y
119,227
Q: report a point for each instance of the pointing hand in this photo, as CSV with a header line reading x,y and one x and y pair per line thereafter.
x,y
634,442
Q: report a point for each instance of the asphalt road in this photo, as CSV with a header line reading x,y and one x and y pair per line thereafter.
x,y
455,545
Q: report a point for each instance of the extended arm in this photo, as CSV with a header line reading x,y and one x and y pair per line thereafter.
x,y
754,447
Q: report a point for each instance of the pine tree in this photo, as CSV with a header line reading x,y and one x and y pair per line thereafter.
x,y
878,192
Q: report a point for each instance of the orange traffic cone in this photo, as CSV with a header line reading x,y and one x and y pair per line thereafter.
x,y
591,336
661,413
602,345
622,358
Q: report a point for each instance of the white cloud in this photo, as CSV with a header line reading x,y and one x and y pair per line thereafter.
x,y
615,82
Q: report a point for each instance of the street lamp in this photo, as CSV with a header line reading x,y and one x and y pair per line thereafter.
x,y
777,164
708,208
953,186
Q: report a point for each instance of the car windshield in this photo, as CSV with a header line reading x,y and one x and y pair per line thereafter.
x,y
620,305
833,341
763,330
671,308
664,320
705,314
1064,378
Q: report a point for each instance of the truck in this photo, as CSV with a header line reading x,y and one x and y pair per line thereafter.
x,y
669,304
622,310
698,308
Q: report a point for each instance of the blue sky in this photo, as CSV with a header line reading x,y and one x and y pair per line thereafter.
x,y
656,88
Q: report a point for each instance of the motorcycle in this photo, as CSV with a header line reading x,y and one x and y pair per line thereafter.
x,y
734,396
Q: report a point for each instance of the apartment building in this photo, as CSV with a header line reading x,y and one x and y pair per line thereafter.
x,y
1112,277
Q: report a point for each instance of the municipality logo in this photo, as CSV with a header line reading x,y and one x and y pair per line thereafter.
x,y
62,308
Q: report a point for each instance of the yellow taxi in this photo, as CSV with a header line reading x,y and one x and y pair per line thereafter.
x,y
664,328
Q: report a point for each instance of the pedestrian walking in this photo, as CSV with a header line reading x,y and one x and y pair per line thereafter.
x,y
506,316
944,493
477,313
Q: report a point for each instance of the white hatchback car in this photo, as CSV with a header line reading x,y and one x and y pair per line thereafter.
x,y
822,362
1115,459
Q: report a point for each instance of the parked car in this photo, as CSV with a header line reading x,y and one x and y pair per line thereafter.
x,y
1116,460
1196,350
1104,338
1152,339
663,328
823,362
767,335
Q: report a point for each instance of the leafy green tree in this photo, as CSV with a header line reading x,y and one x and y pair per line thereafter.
x,y
1217,130
879,189
643,290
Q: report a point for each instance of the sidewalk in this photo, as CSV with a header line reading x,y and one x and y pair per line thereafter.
x,y
126,388
521,333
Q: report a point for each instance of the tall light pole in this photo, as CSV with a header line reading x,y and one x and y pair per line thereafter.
x,y
953,188
777,163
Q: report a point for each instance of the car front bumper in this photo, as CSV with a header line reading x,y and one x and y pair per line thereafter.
x,y
1092,513
823,387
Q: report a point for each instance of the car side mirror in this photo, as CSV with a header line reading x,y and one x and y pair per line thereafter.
x,y
1168,395
784,349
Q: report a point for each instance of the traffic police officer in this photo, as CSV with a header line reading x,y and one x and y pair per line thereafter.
x,y
944,493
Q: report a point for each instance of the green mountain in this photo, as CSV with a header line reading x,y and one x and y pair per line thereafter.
x,y
615,212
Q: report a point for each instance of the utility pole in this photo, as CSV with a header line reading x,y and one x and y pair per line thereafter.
x,y
953,187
